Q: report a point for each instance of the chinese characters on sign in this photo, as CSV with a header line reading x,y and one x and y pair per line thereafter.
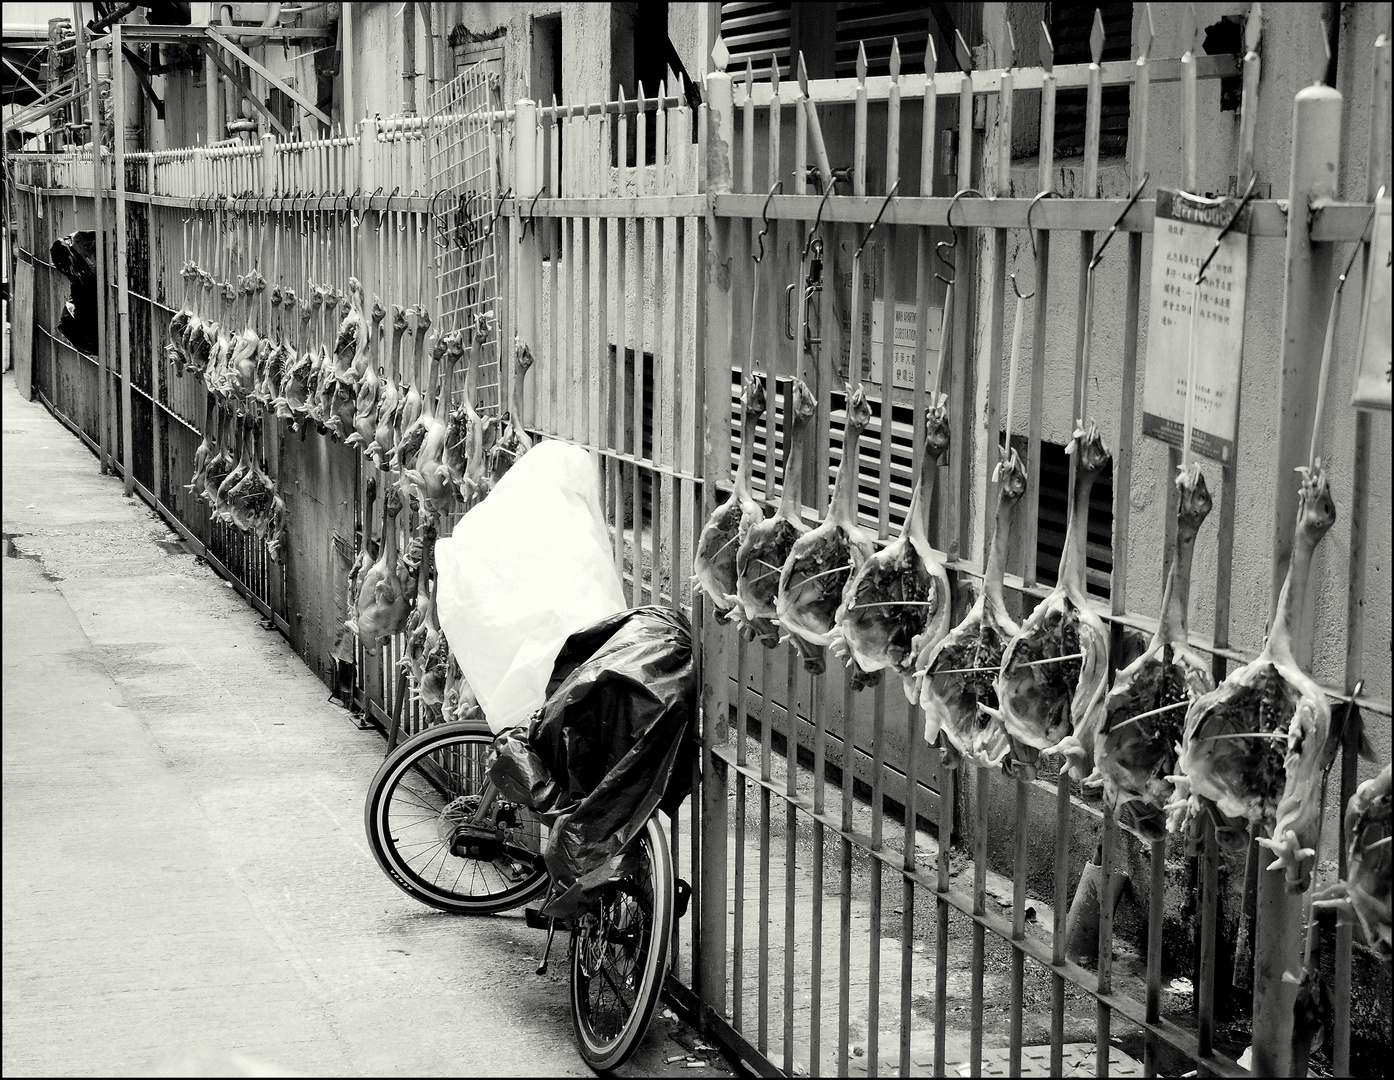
x,y
1183,236
1372,368
904,341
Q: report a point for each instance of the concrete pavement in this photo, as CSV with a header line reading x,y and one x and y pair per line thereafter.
x,y
187,889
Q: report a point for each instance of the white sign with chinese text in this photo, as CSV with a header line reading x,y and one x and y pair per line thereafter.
x,y
1182,238
1372,370
904,342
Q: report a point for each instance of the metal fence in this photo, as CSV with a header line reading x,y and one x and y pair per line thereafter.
x,y
632,283
968,956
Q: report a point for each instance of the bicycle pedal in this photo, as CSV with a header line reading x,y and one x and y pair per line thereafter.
x,y
684,894
535,919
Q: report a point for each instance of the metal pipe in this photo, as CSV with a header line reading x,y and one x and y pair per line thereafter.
x,y
409,58
346,70
123,300
99,203
1315,171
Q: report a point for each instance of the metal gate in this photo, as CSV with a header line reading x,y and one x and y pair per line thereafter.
x,y
951,947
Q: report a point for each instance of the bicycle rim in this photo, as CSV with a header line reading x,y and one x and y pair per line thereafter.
x,y
426,786
619,959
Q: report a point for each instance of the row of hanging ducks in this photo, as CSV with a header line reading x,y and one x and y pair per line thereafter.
x,y
401,422
322,360
1160,737
392,591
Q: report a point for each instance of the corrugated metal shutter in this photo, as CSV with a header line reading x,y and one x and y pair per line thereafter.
x,y
1070,24
878,25
1054,510
754,31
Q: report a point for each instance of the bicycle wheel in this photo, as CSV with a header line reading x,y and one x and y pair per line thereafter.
x,y
418,818
619,956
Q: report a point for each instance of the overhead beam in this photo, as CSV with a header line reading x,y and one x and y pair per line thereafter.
x,y
155,34
141,70
275,80
28,81
257,103
67,93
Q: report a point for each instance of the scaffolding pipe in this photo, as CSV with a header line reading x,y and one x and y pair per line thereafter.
x,y
123,298
99,205
1315,172
409,58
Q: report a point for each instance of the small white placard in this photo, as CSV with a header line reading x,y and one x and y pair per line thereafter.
x,y
1372,368
1182,238
873,338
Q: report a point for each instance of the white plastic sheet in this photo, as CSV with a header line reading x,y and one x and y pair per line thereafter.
x,y
524,569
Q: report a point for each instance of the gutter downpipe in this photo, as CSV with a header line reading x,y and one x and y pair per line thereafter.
x,y
119,88
346,70
409,58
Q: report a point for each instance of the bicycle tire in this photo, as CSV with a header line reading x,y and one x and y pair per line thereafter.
x,y
414,787
616,952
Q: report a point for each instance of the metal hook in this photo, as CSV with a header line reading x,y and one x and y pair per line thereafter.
x,y
885,203
1131,203
382,210
1248,194
1049,193
765,216
944,245
523,232
357,216
817,221
465,228
1017,290
435,226
498,209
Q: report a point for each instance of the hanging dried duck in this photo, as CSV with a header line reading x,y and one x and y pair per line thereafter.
x,y
1363,896
899,601
956,691
1145,711
714,567
761,555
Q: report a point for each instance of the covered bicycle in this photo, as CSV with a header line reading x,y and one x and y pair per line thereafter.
x,y
564,805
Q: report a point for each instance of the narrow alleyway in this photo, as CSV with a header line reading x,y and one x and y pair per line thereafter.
x,y
187,889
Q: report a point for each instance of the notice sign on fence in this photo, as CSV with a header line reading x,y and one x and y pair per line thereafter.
x,y
904,340
1372,372
1182,238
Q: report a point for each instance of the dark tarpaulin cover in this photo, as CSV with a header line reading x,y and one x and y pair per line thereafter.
x,y
75,257
613,742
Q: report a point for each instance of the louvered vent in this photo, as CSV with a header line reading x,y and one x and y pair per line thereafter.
x,y
878,25
1054,510
1055,483
869,488
1070,25
754,31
